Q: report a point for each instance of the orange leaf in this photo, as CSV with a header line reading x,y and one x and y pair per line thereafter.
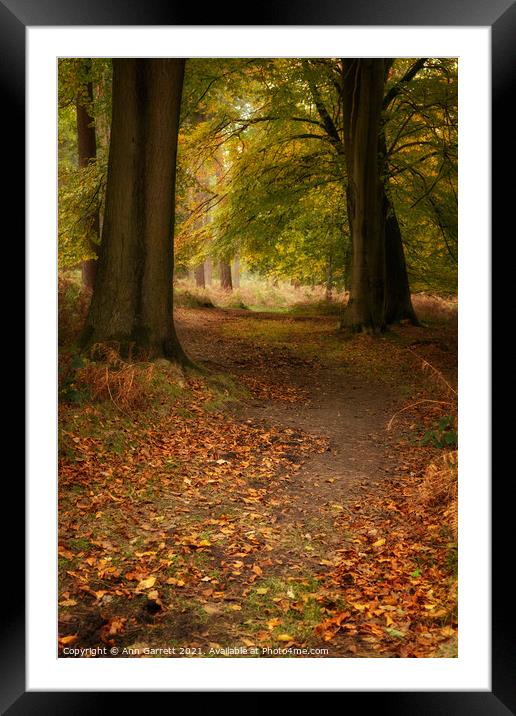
x,y
64,640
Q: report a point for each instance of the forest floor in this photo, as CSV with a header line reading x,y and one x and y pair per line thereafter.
x,y
297,500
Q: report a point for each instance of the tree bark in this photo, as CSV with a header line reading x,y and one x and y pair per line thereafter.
x,y
225,276
397,300
363,95
200,281
132,300
87,152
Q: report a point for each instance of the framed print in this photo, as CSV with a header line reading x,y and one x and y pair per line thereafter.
x,y
216,560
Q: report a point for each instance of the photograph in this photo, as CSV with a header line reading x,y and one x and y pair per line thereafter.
x,y
259,303
257,278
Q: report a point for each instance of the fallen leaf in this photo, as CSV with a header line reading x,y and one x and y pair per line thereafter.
x,y
64,640
66,553
175,582
146,583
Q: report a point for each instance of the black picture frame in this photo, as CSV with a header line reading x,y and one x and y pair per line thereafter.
x,y
500,15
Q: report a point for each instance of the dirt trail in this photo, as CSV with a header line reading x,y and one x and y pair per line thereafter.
x,y
349,410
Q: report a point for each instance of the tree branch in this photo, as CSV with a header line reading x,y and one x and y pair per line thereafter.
x,y
327,121
398,87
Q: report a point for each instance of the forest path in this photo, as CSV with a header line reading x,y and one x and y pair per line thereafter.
x,y
300,382
314,394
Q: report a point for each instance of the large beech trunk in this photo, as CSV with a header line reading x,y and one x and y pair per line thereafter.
x,y
363,96
87,152
132,300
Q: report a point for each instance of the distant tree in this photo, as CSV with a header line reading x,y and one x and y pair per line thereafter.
x,y
225,276
200,280
236,271
132,299
87,152
84,92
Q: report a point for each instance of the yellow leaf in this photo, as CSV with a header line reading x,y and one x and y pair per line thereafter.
x,y
429,606
176,582
68,603
236,607
257,570
359,607
285,637
262,590
379,542
147,583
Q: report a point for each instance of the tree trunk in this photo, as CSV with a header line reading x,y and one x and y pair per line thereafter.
x,y
132,300
397,299
208,272
236,271
87,152
225,276
200,281
363,96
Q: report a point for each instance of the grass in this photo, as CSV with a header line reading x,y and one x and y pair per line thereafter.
x,y
282,607
431,308
256,294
